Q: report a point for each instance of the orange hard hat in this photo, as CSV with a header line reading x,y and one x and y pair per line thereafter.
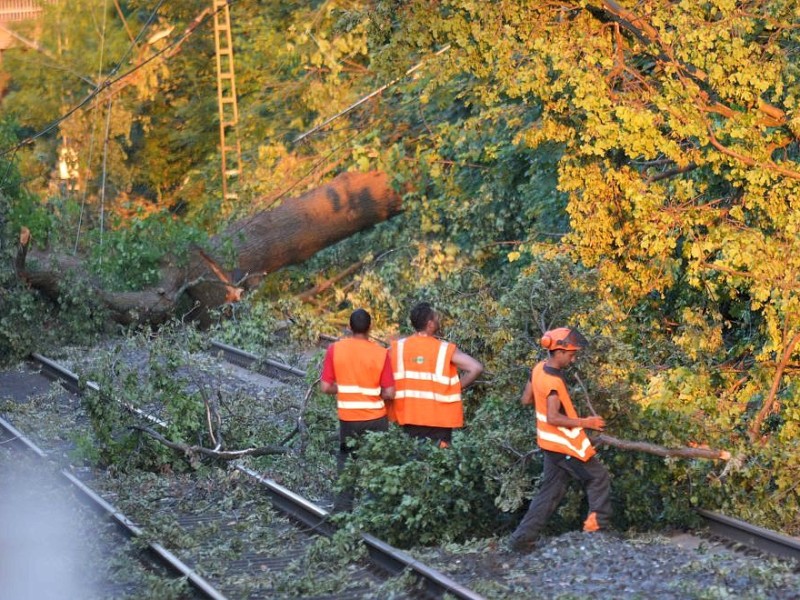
x,y
563,338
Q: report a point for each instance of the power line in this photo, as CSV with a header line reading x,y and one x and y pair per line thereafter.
x,y
107,83
362,100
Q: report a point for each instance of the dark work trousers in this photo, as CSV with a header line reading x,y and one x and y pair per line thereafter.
x,y
441,436
558,469
352,430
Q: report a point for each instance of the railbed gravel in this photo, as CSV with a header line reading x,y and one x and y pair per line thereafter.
x,y
608,566
573,565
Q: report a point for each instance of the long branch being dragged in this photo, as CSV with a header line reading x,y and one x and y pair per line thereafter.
x,y
683,452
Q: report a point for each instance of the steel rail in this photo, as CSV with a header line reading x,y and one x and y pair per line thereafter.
x,y
70,381
388,558
395,561
21,441
753,536
383,555
246,359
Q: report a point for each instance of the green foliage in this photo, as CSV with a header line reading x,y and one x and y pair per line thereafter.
x,y
416,493
156,386
30,324
27,210
10,178
85,450
129,256
82,319
557,167
21,316
112,439
251,326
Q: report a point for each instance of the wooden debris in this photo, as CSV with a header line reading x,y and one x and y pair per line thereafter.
x,y
682,452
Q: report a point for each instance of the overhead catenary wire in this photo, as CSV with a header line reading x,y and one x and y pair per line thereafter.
x,y
200,20
107,83
136,41
91,151
369,96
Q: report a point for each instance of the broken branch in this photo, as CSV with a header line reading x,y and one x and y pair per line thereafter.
x,y
649,448
219,454
321,287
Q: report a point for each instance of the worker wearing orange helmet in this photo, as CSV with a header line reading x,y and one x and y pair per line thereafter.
x,y
567,451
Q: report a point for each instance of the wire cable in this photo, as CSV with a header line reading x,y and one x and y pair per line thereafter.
x,y
107,83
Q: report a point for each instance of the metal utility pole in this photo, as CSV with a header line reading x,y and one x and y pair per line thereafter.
x,y
226,99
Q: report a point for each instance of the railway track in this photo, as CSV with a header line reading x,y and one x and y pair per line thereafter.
x,y
157,554
733,530
752,536
482,568
383,558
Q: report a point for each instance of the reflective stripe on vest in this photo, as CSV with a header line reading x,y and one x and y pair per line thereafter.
x,y
358,365
564,440
428,388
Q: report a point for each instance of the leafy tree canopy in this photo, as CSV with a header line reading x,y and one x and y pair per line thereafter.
x,y
630,168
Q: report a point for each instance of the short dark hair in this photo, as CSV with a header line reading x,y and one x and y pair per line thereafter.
x,y
360,321
421,314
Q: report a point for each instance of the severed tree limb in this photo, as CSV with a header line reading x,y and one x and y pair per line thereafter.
x,y
755,426
649,448
321,287
233,293
219,454
684,452
301,423
261,243
521,458
213,419
300,427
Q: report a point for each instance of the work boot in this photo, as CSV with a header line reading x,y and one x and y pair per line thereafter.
x,y
519,546
590,524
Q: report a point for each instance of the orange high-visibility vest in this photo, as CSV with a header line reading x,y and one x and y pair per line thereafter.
x,y
564,440
427,386
358,365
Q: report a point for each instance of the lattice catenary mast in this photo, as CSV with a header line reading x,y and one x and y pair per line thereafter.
x,y
226,99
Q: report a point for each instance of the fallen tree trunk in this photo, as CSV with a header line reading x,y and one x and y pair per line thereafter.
x,y
263,243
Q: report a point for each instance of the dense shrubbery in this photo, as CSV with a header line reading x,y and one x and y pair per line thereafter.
x,y
28,321
415,493
556,177
646,380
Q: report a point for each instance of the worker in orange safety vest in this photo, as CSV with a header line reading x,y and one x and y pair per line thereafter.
x,y
358,372
568,452
428,386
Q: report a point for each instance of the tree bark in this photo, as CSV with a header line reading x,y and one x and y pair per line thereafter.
x,y
191,452
770,403
696,452
263,243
